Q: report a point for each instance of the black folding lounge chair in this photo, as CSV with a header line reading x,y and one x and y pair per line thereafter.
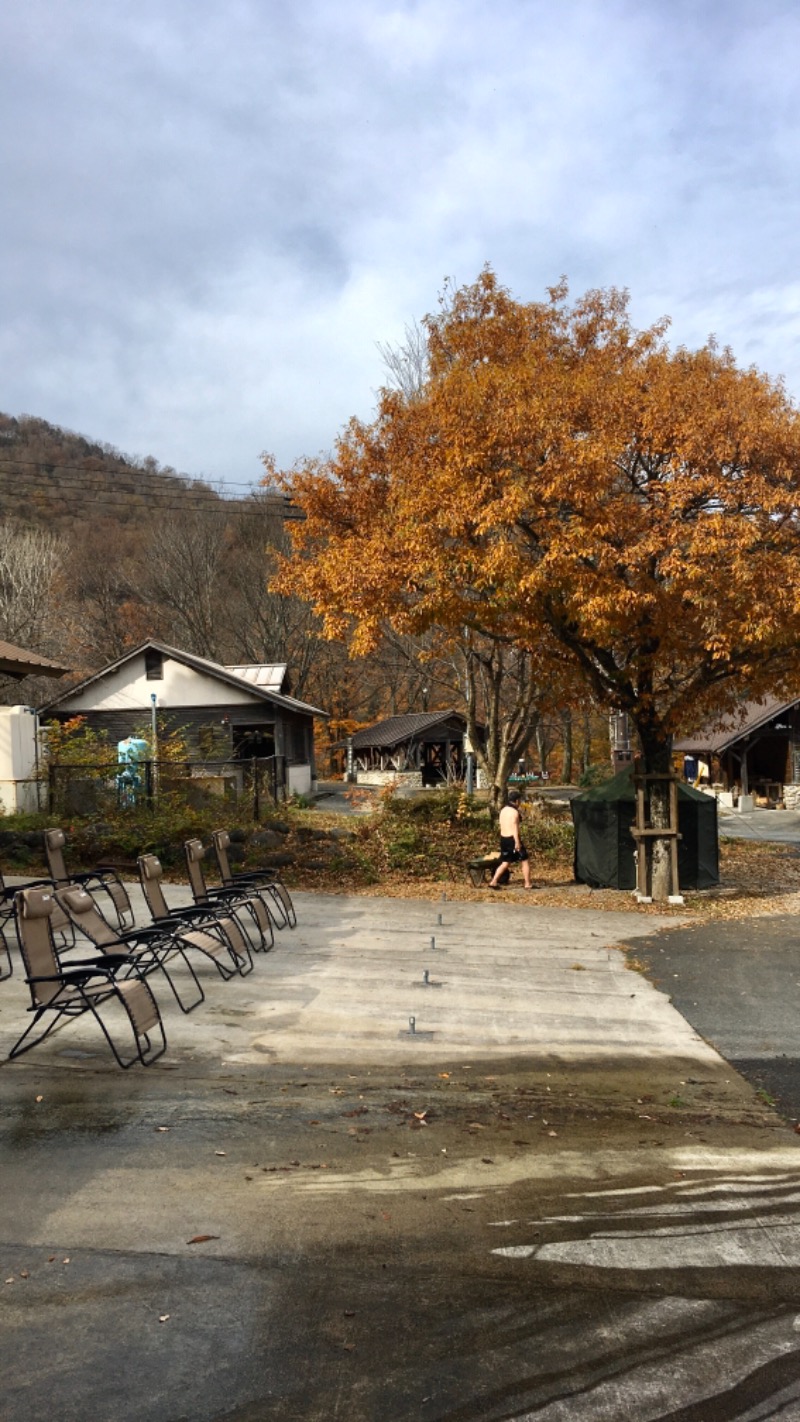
x,y
104,878
267,881
239,898
60,991
148,949
210,930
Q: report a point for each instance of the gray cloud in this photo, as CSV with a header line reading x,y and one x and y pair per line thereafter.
x,y
212,214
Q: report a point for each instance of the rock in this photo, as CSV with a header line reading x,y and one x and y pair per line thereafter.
x,y
278,861
237,836
236,853
33,839
307,832
343,836
266,839
6,837
316,864
279,826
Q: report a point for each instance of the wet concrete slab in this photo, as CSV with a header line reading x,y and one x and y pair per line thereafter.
x,y
569,1226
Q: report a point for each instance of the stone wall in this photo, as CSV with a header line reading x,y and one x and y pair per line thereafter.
x,y
386,777
791,797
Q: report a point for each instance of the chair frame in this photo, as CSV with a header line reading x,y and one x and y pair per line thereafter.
x,y
191,922
263,881
104,877
79,989
147,949
232,897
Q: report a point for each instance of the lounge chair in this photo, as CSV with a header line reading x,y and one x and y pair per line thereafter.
x,y
104,877
213,931
266,881
148,949
239,898
59,921
62,991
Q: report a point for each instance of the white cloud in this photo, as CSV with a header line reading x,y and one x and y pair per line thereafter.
x,y
214,213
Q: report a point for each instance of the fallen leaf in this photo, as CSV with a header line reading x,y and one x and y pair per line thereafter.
x,y
349,1313
162,1128
40,1098
201,1238
220,1152
65,1261
349,1347
420,1115
163,1317
50,1258
23,1274
444,1076
9,1281
552,1133
487,1160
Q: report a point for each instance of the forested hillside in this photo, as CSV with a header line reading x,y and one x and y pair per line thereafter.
x,y
99,550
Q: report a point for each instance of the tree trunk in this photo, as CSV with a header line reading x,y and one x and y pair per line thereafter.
x,y
586,749
657,760
566,755
542,747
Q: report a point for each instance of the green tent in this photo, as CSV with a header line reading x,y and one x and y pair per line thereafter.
x,y
604,844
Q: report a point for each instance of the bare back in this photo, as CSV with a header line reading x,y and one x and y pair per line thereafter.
x,y
509,821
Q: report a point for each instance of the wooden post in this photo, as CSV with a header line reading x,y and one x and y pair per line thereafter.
x,y
642,831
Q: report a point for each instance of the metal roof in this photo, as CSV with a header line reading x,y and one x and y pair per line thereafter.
x,y
17,663
267,674
401,728
201,664
719,736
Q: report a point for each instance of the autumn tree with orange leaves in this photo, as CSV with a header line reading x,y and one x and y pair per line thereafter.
x,y
570,485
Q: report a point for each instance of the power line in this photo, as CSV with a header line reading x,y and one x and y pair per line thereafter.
x,y
129,469
94,485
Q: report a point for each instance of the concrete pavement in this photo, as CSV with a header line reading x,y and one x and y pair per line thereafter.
x,y
562,1204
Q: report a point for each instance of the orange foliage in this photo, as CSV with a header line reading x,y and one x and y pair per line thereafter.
x,y
573,485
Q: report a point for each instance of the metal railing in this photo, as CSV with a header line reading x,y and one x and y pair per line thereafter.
x,y
110,786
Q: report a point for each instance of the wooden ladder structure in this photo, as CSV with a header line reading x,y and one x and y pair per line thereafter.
x,y
642,831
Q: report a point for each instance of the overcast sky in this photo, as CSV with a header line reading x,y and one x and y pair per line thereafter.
x,y
211,212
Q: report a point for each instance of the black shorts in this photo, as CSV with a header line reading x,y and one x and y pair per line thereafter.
x,y
508,851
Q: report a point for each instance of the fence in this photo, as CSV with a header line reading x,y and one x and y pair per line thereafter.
x,y
111,786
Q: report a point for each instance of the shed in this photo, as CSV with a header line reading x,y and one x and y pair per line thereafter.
x,y
225,713
604,844
423,748
755,750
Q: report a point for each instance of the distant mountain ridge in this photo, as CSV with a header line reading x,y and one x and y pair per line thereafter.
x,y
54,476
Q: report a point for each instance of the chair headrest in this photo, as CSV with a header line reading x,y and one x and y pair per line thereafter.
x,y
150,866
194,850
36,903
54,838
76,899
221,838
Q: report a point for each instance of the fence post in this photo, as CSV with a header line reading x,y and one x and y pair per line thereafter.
x,y
256,798
148,783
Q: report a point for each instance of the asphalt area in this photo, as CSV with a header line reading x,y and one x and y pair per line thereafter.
x,y
553,1201
738,983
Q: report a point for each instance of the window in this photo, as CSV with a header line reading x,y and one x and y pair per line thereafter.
x,y
154,665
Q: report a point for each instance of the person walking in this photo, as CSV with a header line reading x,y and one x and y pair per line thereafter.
x,y
512,850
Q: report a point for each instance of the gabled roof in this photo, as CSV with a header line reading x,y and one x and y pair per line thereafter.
x,y
16,662
720,736
396,729
200,664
